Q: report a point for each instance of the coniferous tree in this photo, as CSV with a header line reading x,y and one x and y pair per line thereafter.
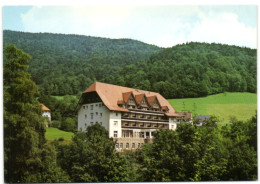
x,y
23,125
26,158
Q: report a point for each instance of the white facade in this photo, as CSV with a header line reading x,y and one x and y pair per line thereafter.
x,y
172,123
47,114
115,124
92,113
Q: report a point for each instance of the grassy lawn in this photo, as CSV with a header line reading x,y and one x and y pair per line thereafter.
x,y
61,97
55,133
241,105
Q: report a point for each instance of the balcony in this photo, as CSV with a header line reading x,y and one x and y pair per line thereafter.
x,y
144,125
146,111
145,118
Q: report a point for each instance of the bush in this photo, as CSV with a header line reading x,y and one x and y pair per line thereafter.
x,y
68,125
55,124
61,139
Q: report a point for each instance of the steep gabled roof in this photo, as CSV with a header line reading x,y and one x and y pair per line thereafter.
x,y
139,97
44,108
126,96
112,94
151,99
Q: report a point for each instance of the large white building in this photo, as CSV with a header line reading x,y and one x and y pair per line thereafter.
x,y
131,116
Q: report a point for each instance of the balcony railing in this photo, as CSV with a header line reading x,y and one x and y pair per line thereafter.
x,y
149,111
145,118
144,126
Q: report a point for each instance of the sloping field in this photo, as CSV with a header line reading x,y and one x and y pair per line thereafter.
x,y
55,133
241,105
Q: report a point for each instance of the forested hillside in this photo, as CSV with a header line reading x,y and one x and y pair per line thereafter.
x,y
68,64
194,70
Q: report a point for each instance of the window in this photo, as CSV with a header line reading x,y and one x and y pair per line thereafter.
x,y
86,116
101,114
86,106
83,106
116,113
96,105
92,115
96,113
115,133
85,124
91,123
133,145
127,146
91,107
139,145
172,126
99,105
117,145
121,145
142,134
152,133
115,123
100,123
147,134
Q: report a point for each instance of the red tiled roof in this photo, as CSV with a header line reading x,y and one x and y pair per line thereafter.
x,y
44,108
111,94
139,97
151,99
120,102
126,96
165,107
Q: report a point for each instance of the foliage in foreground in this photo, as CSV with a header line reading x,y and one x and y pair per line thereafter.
x,y
204,153
91,157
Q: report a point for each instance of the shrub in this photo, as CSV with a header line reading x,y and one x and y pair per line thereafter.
x,y
55,124
61,139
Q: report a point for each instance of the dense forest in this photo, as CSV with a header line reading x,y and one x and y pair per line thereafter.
x,y
68,64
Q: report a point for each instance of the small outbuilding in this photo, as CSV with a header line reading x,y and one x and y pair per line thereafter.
x,y
46,112
201,119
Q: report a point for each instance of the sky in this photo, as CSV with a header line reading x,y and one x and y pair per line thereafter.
x,y
161,25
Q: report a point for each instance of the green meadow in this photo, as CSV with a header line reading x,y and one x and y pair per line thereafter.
x,y
62,97
241,105
55,134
